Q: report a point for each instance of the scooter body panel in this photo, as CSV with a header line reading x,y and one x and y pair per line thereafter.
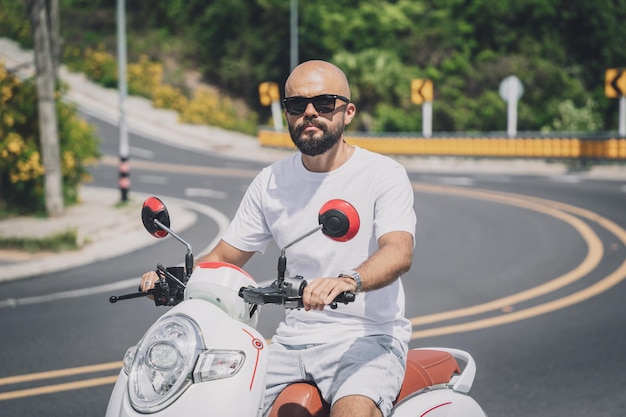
x,y
442,402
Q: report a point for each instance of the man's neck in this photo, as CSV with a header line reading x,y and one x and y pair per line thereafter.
x,y
329,160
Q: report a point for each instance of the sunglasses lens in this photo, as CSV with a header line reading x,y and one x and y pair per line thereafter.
x,y
322,104
296,105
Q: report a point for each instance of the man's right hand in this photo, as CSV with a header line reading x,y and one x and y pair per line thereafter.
x,y
148,280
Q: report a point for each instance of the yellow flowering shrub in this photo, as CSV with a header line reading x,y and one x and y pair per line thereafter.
x,y
207,107
21,167
145,78
166,96
100,66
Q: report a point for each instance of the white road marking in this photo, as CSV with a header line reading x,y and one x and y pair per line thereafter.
x,y
566,179
141,152
205,192
499,178
110,288
459,181
153,179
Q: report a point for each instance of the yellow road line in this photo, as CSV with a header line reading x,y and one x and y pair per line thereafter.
x,y
60,373
58,388
593,258
595,246
610,281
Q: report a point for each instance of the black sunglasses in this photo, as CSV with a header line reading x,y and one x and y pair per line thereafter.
x,y
324,103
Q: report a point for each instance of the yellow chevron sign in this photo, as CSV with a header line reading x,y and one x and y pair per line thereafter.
x,y
615,83
421,91
268,93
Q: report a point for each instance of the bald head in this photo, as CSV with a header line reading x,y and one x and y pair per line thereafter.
x,y
312,78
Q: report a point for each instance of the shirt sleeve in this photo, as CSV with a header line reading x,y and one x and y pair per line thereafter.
x,y
394,210
248,231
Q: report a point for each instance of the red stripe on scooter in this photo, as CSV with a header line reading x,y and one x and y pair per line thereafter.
x,y
436,407
258,345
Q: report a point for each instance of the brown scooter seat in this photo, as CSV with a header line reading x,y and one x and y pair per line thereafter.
x,y
424,368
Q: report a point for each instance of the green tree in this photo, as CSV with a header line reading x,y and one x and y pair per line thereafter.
x,y
21,167
559,49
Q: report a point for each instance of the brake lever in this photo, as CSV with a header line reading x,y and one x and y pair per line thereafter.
x,y
115,298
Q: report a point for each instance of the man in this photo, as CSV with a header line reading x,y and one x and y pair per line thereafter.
x,y
355,354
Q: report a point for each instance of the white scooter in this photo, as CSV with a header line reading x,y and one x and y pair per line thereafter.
x,y
205,357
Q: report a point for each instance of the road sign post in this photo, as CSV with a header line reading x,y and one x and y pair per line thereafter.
x,y
511,90
427,119
622,116
615,87
422,93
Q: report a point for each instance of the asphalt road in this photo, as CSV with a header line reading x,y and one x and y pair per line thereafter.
x,y
524,272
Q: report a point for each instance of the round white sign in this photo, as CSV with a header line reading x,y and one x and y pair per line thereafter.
x,y
511,88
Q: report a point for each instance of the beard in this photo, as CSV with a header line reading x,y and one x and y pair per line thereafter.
x,y
312,146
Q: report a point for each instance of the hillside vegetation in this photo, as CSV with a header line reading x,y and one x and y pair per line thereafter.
x,y
560,50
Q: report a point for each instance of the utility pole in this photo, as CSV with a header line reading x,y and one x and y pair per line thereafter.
x,y
124,148
294,34
48,126
55,35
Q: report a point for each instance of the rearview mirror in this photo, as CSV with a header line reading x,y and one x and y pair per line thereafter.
x,y
339,220
154,209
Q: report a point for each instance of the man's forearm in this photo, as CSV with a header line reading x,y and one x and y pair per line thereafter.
x,y
392,259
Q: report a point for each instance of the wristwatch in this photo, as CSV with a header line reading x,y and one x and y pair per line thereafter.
x,y
356,277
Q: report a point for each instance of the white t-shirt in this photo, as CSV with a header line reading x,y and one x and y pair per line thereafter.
x,y
283,203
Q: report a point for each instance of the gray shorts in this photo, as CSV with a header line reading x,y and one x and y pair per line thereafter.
x,y
371,366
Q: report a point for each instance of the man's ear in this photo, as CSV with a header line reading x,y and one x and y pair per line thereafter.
x,y
349,113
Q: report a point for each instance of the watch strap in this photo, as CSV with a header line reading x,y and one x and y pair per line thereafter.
x,y
356,277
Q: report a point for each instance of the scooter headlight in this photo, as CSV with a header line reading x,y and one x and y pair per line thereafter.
x,y
163,363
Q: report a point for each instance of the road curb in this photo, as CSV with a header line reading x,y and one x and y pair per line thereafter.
x,y
126,236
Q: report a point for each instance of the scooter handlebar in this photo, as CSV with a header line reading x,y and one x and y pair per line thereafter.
x,y
274,294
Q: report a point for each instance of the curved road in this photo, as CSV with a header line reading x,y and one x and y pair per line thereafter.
x,y
525,272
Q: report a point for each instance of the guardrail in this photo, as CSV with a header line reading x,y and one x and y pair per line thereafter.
x,y
604,146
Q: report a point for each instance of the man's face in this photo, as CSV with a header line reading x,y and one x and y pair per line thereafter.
x,y
317,106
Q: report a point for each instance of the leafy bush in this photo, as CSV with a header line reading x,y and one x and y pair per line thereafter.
x,y
21,167
207,107
391,119
165,96
14,21
145,78
100,66
575,119
57,242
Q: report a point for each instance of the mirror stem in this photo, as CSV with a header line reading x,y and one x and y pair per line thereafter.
x,y
282,267
303,236
189,256
282,260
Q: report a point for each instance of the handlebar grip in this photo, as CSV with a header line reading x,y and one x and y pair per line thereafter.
x,y
344,298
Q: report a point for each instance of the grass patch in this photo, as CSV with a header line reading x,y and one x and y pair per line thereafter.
x,y
58,242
